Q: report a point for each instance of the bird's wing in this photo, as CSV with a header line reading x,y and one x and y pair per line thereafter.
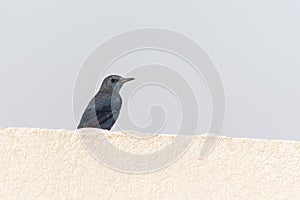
x,y
97,112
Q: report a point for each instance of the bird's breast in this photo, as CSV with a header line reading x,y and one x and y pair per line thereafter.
x,y
116,102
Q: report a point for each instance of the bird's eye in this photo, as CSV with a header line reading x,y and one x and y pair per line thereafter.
x,y
113,80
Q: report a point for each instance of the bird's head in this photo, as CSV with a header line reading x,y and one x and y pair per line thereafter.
x,y
113,83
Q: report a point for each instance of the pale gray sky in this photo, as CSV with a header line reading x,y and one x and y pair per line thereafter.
x,y
254,44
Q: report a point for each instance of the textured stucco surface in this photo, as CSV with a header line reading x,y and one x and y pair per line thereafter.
x,y
53,164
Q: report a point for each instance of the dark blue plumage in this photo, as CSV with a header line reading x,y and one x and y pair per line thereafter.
x,y
103,110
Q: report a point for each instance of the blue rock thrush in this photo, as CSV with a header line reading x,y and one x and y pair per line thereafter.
x,y
103,110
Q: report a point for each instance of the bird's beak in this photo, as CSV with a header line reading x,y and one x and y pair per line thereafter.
x,y
124,80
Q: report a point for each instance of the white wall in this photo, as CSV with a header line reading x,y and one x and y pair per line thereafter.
x,y
47,164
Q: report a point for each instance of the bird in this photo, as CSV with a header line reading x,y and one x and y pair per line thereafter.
x,y
104,108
